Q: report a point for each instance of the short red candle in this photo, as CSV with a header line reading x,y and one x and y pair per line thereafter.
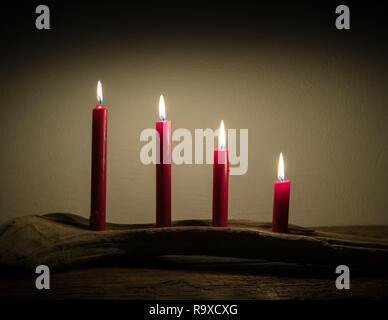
x,y
281,201
99,147
163,169
220,182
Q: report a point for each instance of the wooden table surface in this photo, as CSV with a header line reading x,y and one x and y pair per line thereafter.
x,y
183,277
205,277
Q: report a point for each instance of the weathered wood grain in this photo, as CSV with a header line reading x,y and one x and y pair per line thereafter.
x,y
222,280
64,240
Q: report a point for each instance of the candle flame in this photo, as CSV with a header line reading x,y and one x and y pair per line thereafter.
x,y
162,108
221,136
281,168
99,92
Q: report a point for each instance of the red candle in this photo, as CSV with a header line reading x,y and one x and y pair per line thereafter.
x,y
220,181
163,168
281,200
99,141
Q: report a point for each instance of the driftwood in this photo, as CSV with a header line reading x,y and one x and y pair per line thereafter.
x,y
64,240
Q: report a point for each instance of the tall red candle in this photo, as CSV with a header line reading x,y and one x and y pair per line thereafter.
x,y
163,168
281,200
99,143
220,182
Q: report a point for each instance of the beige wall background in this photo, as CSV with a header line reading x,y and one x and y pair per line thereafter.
x,y
324,107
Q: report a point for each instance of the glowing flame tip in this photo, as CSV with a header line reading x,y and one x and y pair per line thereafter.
x,y
222,138
99,92
281,167
162,109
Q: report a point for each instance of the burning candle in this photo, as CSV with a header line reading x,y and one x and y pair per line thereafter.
x,y
163,168
220,181
281,200
99,142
